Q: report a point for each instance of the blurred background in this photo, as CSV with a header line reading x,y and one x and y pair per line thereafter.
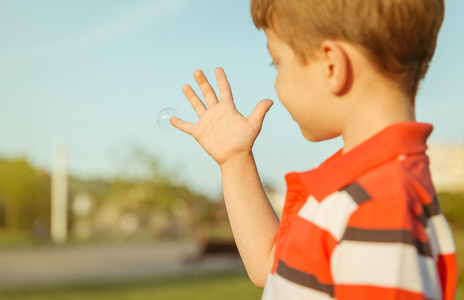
x,y
97,201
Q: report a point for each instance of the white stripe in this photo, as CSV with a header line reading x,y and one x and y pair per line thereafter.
x,y
386,265
330,214
440,237
431,280
280,288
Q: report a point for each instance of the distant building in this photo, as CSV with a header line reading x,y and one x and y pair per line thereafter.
x,y
447,166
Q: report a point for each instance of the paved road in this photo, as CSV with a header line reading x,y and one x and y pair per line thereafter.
x,y
106,263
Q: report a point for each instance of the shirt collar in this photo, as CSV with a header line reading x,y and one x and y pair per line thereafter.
x,y
341,169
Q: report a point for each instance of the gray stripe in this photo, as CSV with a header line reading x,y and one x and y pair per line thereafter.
x,y
433,208
422,218
428,211
356,192
304,279
387,236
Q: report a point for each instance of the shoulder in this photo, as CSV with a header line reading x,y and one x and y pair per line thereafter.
x,y
396,192
399,180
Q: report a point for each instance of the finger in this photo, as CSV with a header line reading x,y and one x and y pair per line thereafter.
x,y
192,97
257,116
181,125
225,92
205,87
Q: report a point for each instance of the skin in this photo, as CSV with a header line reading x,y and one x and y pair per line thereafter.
x,y
338,94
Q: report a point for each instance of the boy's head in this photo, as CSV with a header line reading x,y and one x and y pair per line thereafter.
x,y
398,36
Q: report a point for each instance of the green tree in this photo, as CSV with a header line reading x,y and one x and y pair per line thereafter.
x,y
24,194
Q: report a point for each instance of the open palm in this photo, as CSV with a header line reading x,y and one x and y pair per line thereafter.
x,y
221,130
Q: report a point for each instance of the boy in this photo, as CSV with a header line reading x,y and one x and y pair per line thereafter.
x,y
366,223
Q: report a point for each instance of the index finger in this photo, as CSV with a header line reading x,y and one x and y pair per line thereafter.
x,y
225,92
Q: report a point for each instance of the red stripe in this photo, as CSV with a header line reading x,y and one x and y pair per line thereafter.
x,y
308,248
295,199
448,271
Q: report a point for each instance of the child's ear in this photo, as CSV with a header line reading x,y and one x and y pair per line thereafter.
x,y
336,66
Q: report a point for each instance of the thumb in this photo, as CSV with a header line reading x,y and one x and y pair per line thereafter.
x,y
257,116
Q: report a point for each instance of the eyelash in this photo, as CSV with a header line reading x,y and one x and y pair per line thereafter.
x,y
272,64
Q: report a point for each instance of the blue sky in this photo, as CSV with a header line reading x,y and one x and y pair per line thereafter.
x,y
93,75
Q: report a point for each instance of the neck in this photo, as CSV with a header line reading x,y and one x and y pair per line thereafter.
x,y
372,115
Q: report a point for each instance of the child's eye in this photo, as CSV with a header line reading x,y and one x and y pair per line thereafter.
x,y
272,64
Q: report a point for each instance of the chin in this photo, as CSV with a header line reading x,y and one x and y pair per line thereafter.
x,y
311,137
318,137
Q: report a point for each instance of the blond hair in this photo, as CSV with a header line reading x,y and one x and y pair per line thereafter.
x,y
399,36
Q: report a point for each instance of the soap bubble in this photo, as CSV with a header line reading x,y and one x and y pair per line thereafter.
x,y
164,116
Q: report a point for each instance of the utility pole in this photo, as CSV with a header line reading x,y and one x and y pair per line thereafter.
x,y
59,205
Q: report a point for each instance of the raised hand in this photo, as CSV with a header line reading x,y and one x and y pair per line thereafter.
x,y
221,130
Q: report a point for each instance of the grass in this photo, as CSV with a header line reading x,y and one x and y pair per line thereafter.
x,y
222,287
458,234
460,293
14,238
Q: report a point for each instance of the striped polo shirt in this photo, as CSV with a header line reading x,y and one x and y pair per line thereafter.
x,y
365,225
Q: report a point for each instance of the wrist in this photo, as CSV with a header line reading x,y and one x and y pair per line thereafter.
x,y
237,162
